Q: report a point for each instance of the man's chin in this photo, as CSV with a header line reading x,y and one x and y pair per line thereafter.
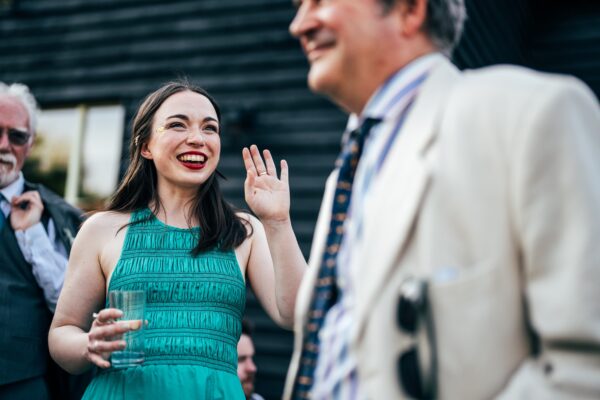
x,y
321,77
7,176
248,389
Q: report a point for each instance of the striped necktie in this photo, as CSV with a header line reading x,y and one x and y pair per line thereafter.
x,y
325,291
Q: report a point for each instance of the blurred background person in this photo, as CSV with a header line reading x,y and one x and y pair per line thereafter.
x,y
246,369
37,228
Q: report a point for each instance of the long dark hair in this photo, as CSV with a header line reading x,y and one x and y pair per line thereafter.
x,y
219,225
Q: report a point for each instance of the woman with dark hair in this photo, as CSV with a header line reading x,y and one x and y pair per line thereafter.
x,y
168,231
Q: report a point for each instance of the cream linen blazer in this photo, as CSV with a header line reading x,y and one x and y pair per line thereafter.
x,y
492,193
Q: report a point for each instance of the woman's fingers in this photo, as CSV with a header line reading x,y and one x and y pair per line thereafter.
x,y
106,335
106,339
284,172
111,330
107,316
248,163
270,164
98,360
259,164
102,346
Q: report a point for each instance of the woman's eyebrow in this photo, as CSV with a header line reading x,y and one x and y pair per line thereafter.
x,y
180,116
186,118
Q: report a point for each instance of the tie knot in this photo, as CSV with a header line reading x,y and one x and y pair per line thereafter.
x,y
360,134
367,124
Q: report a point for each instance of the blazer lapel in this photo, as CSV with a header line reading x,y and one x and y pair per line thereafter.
x,y
398,191
306,290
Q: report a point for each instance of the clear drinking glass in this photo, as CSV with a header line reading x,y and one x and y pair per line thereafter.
x,y
133,304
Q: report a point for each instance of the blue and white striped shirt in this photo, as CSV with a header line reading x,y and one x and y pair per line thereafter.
x,y
336,372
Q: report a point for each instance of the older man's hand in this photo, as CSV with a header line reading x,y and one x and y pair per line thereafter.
x,y
26,210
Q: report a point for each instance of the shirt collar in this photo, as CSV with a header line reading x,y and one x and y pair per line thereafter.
x,y
378,106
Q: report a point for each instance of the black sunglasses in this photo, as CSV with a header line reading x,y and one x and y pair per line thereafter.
x,y
416,365
16,137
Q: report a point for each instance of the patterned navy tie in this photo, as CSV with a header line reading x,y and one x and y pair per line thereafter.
x,y
325,291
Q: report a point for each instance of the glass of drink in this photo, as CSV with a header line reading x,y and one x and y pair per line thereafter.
x,y
133,304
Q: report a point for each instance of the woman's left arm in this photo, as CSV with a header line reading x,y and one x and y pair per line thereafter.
x,y
275,264
275,284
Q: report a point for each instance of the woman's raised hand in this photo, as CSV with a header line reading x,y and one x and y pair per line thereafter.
x,y
267,195
102,335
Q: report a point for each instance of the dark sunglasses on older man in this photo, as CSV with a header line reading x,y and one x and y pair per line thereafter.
x,y
417,364
16,137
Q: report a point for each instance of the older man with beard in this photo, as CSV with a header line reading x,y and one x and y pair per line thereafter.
x,y
36,230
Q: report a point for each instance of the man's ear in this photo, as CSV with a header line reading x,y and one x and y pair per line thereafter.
x,y
145,151
413,14
29,146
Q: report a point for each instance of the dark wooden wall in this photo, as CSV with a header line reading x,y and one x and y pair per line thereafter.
x,y
494,33
548,35
117,51
564,37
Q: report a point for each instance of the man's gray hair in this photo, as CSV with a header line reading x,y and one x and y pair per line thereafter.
x,y
444,21
22,93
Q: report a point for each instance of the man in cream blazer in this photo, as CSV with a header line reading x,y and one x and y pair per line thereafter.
x,y
480,225
492,194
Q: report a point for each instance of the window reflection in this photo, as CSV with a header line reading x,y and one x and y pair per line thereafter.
x,y
77,153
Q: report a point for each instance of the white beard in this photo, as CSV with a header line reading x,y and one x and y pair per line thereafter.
x,y
8,173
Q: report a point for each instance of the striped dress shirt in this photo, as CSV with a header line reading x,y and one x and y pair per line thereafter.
x,y
336,371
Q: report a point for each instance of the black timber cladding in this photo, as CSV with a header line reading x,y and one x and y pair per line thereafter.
x,y
565,38
117,51
547,35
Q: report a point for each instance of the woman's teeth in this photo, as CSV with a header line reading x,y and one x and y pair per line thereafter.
x,y
192,158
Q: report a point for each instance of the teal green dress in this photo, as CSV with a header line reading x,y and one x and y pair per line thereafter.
x,y
194,308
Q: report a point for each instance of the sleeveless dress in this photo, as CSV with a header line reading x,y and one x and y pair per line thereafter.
x,y
194,308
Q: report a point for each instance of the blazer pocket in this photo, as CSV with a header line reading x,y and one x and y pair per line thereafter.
x,y
479,328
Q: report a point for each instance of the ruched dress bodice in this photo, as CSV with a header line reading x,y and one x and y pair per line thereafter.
x,y
194,308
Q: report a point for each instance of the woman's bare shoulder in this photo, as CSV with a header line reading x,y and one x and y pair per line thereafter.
x,y
250,221
247,217
106,222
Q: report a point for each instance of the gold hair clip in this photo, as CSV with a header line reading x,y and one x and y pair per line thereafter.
x,y
136,140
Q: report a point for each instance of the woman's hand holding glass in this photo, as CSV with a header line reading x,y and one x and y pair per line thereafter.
x,y
102,334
